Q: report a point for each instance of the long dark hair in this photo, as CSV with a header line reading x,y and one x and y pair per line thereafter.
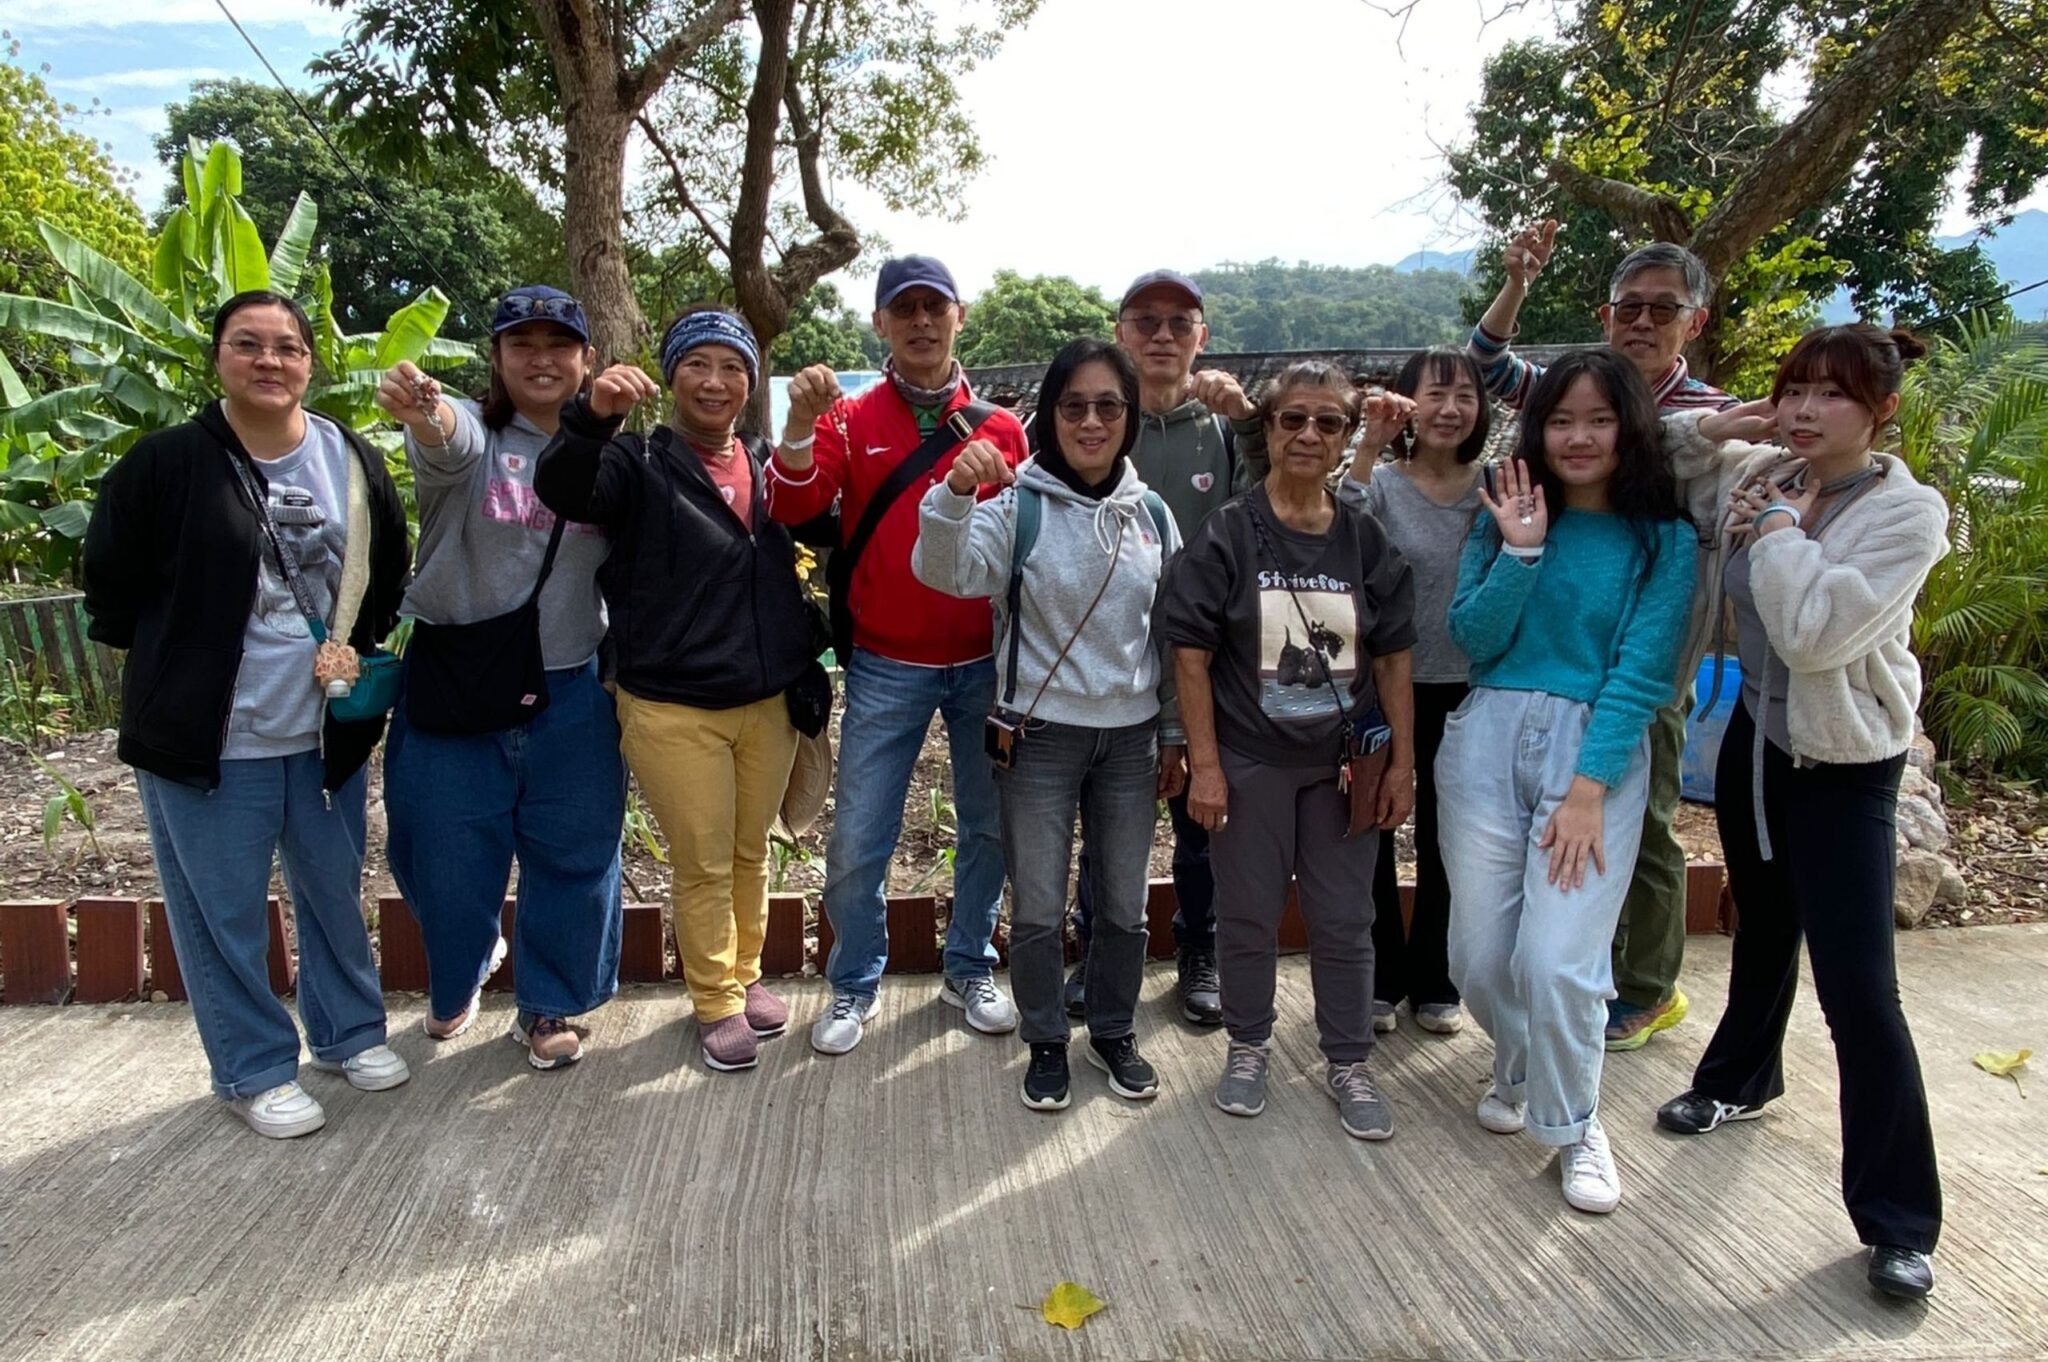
x,y
1642,490
1446,366
1075,353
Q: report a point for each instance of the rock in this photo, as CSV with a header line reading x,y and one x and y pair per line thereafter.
x,y
1953,892
1922,824
1920,756
1920,874
159,996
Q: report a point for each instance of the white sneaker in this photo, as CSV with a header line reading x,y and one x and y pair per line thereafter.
x,y
1501,1116
839,1030
283,1113
1587,1170
988,1011
1443,1019
373,1070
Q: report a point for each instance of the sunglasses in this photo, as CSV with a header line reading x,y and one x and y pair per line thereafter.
x,y
554,309
1179,325
1661,313
1074,410
904,309
1326,422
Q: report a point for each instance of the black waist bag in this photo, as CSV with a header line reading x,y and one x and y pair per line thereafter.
x,y
483,677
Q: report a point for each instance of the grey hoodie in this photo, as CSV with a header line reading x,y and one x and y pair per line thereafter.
x,y
1182,457
1113,676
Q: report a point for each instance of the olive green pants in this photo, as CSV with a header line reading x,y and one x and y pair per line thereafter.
x,y
1649,943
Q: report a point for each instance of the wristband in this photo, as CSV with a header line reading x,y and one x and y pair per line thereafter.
x,y
1528,555
1777,508
804,443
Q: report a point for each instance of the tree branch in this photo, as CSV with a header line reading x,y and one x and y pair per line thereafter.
x,y
675,171
638,84
1627,204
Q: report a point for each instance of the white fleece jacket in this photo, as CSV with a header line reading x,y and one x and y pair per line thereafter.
x,y
1838,610
1112,676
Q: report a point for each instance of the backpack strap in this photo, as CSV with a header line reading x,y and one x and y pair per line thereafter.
x,y
1156,508
1030,512
1229,434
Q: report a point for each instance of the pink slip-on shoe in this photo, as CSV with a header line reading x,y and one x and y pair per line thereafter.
x,y
729,1044
767,1015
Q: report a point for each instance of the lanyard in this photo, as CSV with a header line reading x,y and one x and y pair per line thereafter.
x,y
287,563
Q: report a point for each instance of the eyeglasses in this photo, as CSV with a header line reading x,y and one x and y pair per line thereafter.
x,y
555,309
1327,422
251,349
1180,325
1074,410
905,309
1662,313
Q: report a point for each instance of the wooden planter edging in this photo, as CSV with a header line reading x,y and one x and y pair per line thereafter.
x,y
123,950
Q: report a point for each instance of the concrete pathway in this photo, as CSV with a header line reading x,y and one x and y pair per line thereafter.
x,y
901,1203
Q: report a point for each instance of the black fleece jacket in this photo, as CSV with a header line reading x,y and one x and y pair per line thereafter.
x,y
170,571
704,611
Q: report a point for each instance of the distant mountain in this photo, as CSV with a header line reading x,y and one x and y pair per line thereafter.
x,y
2019,250
1457,262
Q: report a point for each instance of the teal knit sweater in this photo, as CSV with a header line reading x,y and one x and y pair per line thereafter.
x,y
1583,622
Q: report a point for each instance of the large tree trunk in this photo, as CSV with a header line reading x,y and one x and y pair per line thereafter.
x,y
593,189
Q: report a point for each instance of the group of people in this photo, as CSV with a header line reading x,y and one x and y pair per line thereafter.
x,y
1166,589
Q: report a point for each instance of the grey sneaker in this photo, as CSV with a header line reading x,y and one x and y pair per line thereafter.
x,y
1444,1019
1242,1091
839,1030
284,1112
1384,1018
372,1070
1359,1104
988,1011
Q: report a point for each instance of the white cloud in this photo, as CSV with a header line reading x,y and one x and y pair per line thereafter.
x,y
54,15
178,78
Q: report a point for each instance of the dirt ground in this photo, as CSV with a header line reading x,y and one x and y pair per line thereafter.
x,y
2000,838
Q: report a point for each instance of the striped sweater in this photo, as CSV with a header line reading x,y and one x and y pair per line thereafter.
x,y
1511,379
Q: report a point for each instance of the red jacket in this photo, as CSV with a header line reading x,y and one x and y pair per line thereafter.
x,y
895,615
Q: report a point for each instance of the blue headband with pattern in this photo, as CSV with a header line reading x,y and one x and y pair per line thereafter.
x,y
709,328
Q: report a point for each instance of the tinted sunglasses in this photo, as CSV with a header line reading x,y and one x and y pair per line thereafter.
x,y
553,309
1327,423
1180,325
1660,313
1074,410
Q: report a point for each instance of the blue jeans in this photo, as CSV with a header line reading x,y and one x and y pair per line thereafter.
x,y
213,856
1531,958
550,792
1110,776
889,706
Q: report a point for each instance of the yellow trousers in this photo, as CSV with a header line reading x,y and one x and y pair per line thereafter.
x,y
714,779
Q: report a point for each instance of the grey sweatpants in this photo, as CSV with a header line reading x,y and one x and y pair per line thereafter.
x,y
1288,821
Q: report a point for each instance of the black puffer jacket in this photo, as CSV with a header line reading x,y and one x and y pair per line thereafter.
x,y
170,570
704,611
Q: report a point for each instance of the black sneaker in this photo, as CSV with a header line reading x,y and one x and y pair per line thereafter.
x,y
1902,1272
1129,1075
1045,1082
1693,1113
1201,992
1076,995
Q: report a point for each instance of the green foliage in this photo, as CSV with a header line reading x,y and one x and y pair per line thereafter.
x,y
458,222
1974,423
823,330
31,711
50,173
139,353
1023,319
68,803
1271,306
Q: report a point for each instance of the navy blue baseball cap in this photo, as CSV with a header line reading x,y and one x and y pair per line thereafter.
x,y
1172,279
539,303
913,271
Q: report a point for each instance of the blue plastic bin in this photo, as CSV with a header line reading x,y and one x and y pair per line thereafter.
x,y
1704,727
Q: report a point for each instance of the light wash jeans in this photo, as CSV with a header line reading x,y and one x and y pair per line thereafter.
x,y
551,792
214,850
889,705
1533,960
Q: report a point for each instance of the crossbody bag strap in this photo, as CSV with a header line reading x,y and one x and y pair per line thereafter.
x,y
287,563
355,554
547,561
1017,595
957,429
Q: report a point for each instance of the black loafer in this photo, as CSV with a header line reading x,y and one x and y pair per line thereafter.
x,y
1902,1272
1693,1113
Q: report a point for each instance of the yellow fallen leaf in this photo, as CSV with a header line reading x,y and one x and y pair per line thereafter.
x,y
1069,1306
2004,1064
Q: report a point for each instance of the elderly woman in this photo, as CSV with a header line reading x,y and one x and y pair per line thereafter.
x,y
1290,614
505,744
712,634
1085,721
221,554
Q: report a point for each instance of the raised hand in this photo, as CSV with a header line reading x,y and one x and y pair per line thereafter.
x,y
1529,252
1520,513
1383,416
811,394
619,389
1748,501
977,464
1755,422
409,395
1222,394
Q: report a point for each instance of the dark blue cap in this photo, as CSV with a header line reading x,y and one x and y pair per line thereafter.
x,y
539,303
1172,279
913,271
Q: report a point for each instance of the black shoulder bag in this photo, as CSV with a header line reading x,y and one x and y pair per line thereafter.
x,y
956,430
483,677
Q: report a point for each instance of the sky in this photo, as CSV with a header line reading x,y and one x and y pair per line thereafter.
x,y
1124,134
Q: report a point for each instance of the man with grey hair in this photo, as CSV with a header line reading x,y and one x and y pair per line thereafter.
x,y
1656,304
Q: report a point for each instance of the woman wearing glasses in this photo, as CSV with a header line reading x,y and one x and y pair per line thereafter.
x,y
1290,615
505,592
220,553
1085,718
